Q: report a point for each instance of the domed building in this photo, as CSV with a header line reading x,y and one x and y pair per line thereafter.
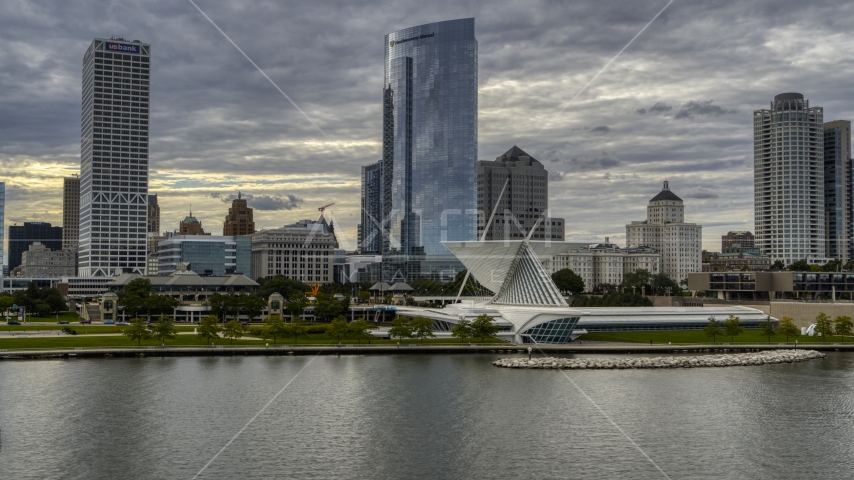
x,y
679,243
191,226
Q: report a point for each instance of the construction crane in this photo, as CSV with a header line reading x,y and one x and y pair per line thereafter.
x,y
321,209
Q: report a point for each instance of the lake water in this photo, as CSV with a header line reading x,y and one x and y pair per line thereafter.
x,y
420,416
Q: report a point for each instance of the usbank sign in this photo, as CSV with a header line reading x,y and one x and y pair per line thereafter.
x,y
121,47
392,43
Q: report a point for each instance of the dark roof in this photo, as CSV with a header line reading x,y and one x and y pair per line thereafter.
x,y
514,154
789,96
666,194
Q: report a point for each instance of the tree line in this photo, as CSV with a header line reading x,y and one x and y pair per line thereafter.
x,y
731,327
38,301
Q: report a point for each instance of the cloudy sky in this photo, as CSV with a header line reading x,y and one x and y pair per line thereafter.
x,y
676,104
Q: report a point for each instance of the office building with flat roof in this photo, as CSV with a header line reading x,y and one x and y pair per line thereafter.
x,y
22,236
70,213
838,197
429,147
114,158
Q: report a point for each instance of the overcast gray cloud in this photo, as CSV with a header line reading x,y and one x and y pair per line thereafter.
x,y
264,202
677,104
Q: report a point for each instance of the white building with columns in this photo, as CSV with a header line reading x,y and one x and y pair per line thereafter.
x,y
665,230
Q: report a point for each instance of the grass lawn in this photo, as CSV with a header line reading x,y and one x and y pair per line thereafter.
x,y
116,341
80,329
698,336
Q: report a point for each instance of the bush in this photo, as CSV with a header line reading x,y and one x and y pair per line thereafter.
x,y
315,329
69,330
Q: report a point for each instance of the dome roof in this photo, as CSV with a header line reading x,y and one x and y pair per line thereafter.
x,y
190,219
666,194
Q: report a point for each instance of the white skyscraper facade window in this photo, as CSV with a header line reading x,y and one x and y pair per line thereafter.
x,y
2,227
788,179
114,158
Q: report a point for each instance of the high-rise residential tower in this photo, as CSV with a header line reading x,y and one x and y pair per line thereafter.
x,y
70,212
788,179
837,190
114,158
524,203
239,220
429,148
680,244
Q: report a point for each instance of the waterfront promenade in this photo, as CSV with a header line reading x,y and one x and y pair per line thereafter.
x,y
407,348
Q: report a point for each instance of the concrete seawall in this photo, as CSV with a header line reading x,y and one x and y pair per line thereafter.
x,y
539,350
767,357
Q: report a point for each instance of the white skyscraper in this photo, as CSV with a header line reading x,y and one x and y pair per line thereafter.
x,y
788,180
114,158
680,244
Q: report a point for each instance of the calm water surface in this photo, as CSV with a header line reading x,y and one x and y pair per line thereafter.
x,y
431,416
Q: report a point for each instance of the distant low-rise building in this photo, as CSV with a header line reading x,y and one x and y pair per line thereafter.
x,y
605,263
40,261
205,255
737,258
737,239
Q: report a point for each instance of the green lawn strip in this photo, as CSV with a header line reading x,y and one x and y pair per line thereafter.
x,y
121,341
698,336
80,329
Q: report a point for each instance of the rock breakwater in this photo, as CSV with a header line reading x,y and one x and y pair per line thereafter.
x,y
699,361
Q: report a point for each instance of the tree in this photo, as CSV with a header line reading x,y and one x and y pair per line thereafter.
x,y
713,329
287,287
832,266
664,285
843,326
339,328
848,267
41,308
160,304
232,305
232,329
296,328
132,296
217,303
164,329
54,300
483,327
732,327
327,306
137,330
401,327
296,306
823,325
568,281
768,329
778,265
422,327
787,327
462,330
359,329
800,266
208,328
252,305
364,296
637,279
274,327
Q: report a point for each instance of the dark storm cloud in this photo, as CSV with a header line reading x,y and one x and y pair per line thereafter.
x,y
215,117
264,202
693,108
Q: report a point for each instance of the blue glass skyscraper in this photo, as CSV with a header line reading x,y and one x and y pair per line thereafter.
x,y
429,148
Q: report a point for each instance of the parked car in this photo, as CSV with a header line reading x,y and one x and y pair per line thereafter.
x,y
123,323
85,322
109,322
13,322
62,322
245,324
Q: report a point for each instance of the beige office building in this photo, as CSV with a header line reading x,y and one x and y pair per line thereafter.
x,y
665,230
41,262
301,251
70,213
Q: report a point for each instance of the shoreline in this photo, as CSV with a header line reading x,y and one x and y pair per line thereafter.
x,y
277,350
